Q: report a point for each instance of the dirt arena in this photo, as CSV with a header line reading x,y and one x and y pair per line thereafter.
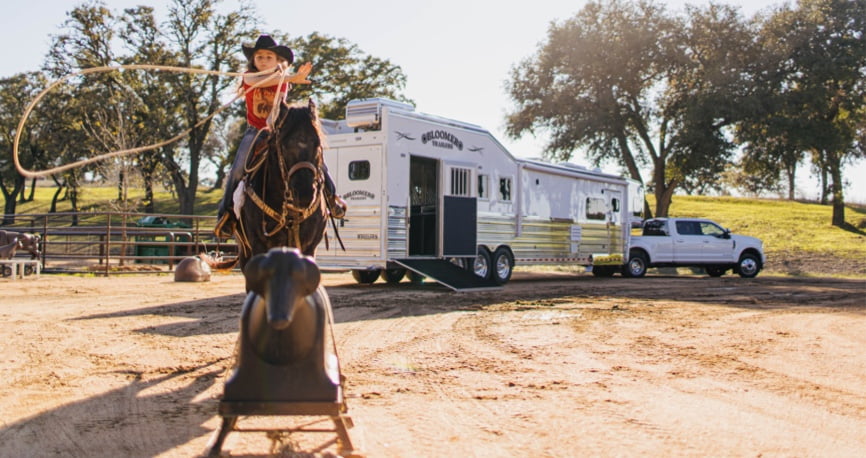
x,y
551,365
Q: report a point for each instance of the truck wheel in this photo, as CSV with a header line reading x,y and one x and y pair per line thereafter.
x,y
365,276
393,275
482,266
749,266
715,271
503,265
636,266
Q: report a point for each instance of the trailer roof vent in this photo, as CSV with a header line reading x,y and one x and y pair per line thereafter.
x,y
572,165
368,112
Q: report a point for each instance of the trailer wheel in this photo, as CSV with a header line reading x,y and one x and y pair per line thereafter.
x,y
482,266
503,265
393,275
749,266
636,266
715,271
365,277
7,271
415,277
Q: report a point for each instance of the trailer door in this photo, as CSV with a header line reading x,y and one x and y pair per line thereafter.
x,y
357,172
460,212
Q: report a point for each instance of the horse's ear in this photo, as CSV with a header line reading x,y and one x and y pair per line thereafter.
x,y
314,111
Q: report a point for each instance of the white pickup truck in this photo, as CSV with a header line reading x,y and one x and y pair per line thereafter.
x,y
693,242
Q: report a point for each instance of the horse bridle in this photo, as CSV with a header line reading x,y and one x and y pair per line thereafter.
x,y
290,212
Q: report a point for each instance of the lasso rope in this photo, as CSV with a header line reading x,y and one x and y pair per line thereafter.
x,y
35,174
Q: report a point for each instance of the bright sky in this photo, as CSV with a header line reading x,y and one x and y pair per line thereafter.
x,y
457,54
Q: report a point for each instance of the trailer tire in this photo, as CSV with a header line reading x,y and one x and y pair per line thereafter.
x,y
415,277
503,265
393,276
636,266
482,265
365,277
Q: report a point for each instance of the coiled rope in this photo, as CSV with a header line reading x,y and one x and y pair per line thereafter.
x,y
111,68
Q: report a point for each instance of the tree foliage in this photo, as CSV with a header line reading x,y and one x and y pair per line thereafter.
x,y
343,72
816,89
118,110
630,83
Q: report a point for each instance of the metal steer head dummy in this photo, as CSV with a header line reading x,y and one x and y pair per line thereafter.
x,y
283,277
282,353
284,315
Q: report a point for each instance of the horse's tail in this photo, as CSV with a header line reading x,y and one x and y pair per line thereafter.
x,y
228,264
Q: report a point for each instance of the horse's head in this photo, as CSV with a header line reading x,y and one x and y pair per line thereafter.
x,y
282,276
298,139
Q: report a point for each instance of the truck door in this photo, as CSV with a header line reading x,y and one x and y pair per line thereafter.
x,y
716,248
688,242
357,172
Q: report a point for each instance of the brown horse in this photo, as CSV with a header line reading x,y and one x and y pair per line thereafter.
x,y
284,203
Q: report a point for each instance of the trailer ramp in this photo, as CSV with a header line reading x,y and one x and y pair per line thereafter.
x,y
449,274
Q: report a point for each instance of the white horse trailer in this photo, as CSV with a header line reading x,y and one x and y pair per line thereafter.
x,y
444,199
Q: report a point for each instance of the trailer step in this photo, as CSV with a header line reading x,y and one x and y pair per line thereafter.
x,y
449,274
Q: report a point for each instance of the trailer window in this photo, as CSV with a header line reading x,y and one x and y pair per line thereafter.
x,y
595,208
359,170
505,189
461,182
483,187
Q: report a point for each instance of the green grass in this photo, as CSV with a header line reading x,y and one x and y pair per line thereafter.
x,y
105,199
784,226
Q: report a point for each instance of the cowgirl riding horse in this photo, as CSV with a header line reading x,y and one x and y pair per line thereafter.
x,y
261,91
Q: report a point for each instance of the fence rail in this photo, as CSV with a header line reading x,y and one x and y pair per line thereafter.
x,y
109,243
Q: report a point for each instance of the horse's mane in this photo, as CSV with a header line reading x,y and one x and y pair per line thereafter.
x,y
297,113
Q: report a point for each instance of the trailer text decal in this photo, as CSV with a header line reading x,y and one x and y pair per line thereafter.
x,y
359,195
442,139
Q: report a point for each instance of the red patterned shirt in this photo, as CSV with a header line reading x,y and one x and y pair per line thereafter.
x,y
260,100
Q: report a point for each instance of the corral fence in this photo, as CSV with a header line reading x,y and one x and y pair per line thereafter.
x,y
106,243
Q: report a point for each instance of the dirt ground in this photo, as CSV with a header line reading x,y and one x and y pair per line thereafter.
x,y
552,365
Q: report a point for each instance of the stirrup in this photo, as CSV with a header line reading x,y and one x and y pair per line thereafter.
x,y
225,226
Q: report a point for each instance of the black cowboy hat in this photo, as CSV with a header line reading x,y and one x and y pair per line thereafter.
x,y
267,43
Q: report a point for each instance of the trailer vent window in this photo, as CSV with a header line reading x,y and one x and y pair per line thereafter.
x,y
505,189
461,182
359,170
483,187
595,208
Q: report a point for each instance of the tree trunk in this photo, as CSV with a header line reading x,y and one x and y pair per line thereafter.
x,y
835,164
11,205
824,186
32,190
791,171
148,194
663,191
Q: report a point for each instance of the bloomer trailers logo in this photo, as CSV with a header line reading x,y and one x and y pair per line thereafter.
x,y
442,139
359,194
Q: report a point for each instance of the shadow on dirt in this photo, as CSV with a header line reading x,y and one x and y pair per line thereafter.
x,y
86,427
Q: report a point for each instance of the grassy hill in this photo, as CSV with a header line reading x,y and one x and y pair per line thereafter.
x,y
798,237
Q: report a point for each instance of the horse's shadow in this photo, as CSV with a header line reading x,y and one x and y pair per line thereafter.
x,y
132,420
